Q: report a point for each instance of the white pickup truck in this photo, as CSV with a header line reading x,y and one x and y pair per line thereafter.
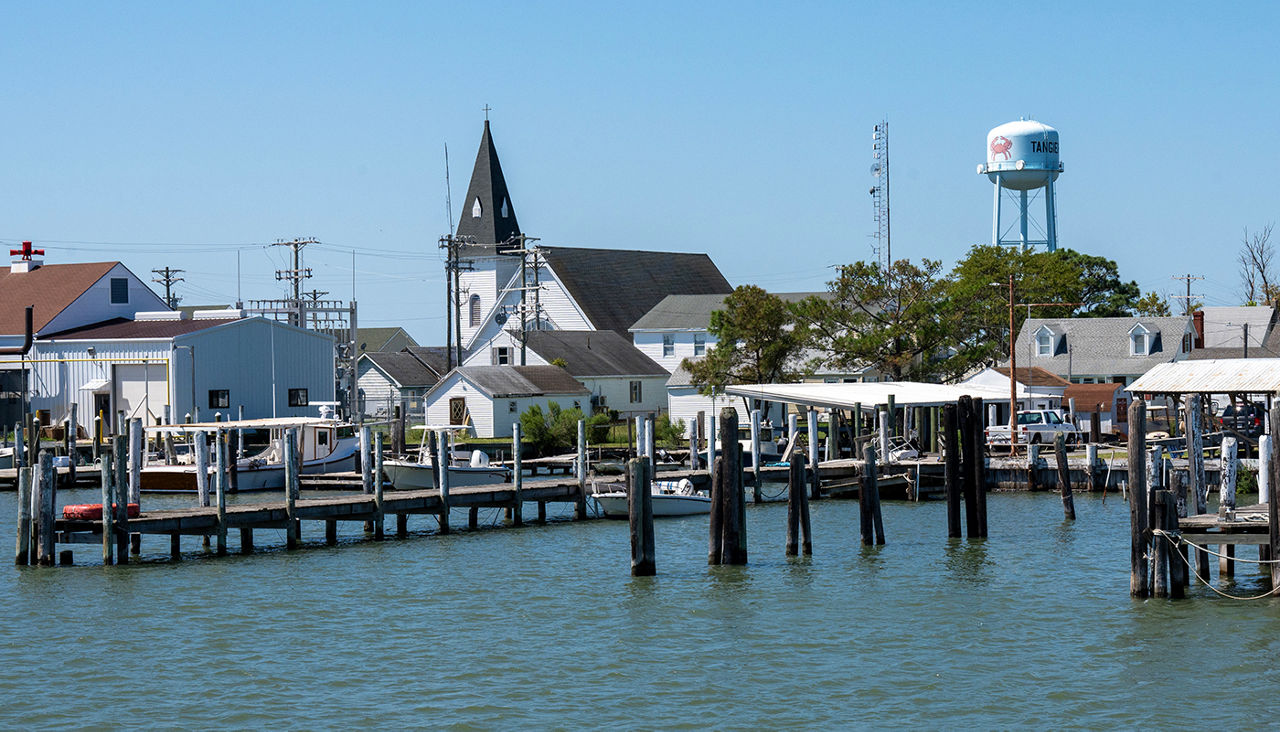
x,y
1035,426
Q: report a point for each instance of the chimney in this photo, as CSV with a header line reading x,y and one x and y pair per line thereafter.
x,y
26,259
1197,321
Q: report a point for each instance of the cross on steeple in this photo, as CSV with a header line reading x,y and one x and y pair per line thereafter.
x,y
487,109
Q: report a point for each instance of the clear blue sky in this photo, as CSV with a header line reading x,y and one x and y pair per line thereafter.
x,y
176,133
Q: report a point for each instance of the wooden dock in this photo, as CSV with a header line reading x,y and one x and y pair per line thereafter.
x,y
363,508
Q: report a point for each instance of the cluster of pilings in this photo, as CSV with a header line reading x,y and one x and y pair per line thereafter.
x,y
964,466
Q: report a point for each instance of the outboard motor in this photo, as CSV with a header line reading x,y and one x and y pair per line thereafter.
x,y
479,459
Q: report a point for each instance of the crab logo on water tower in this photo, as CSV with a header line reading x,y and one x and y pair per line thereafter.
x,y
1023,161
1000,146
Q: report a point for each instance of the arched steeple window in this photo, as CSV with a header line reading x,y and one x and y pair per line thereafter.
x,y
475,209
475,311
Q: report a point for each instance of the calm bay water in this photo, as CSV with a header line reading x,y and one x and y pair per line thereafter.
x,y
544,627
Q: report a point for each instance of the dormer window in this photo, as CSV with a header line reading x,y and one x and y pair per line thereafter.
x,y
1044,341
475,209
1139,341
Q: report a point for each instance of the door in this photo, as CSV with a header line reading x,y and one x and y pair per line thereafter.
x,y
457,410
102,407
13,387
141,390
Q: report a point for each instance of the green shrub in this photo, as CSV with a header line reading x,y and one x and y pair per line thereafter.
x,y
556,430
1246,482
668,433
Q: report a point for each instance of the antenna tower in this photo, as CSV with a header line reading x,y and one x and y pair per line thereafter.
x,y
881,248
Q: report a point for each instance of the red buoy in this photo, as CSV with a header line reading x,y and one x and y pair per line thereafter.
x,y
93,511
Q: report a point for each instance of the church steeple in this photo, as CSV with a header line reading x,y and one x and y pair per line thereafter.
x,y
487,213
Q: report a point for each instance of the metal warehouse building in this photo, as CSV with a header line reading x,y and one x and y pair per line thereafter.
x,y
215,361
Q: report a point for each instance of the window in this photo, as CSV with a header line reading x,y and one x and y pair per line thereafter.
x,y
635,392
511,407
699,344
1139,341
668,345
475,209
298,398
506,208
1044,344
219,398
475,311
500,355
1186,343
119,291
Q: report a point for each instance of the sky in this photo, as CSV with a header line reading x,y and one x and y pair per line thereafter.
x,y
192,135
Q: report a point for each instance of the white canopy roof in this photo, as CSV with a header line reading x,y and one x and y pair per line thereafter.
x,y
845,396
1211,376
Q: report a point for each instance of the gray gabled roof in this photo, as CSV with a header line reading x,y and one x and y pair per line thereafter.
x,y
402,368
593,353
1101,345
521,381
615,287
433,357
1224,327
693,312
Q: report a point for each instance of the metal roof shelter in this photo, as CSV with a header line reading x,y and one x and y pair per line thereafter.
x,y
1220,376
845,396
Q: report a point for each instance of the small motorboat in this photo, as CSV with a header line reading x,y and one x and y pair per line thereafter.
x,y
670,498
473,469
465,468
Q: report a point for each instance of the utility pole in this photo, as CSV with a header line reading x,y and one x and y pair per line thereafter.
x,y
1186,304
526,253
168,279
453,297
295,275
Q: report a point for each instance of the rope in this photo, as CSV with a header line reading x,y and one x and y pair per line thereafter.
x,y
1175,540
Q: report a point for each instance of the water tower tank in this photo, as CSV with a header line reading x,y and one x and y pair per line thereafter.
x,y
1022,155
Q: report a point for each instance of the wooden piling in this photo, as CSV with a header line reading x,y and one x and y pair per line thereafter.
x,y
220,488
1227,502
108,513
402,524
542,512
175,544
867,495
366,468
1195,454
71,444
397,431
951,468
1177,566
330,532
1064,477
378,506
21,555
640,513
694,442
443,464
1139,533
119,455
48,502
1033,467
517,472
732,536
291,485
1159,545
797,508
1095,425
755,454
580,503
1273,497
473,518
1091,456
814,478
979,469
246,540
969,455
137,453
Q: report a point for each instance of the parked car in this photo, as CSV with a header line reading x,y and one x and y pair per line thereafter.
x,y
1035,426
1249,419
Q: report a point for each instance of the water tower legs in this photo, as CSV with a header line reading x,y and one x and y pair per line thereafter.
x,y
1050,218
995,217
1022,207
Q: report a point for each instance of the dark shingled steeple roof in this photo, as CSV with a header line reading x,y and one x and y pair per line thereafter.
x,y
490,189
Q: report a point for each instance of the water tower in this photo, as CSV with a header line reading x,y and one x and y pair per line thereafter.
x,y
1022,159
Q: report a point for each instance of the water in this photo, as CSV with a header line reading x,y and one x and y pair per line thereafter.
x,y
544,627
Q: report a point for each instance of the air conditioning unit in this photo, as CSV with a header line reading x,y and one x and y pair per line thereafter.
x,y
599,400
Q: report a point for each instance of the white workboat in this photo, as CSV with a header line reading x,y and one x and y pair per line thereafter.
x,y
411,475
670,498
471,468
325,446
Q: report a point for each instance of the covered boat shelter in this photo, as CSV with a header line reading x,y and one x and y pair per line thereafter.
x,y
1235,380
911,407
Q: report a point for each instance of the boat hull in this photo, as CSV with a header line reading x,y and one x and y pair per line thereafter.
x,y
614,505
409,476
249,477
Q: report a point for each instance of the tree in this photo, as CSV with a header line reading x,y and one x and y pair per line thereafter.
x,y
1153,305
898,320
555,430
755,343
1064,276
1257,273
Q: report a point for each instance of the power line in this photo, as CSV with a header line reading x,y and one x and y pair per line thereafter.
x,y
168,279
